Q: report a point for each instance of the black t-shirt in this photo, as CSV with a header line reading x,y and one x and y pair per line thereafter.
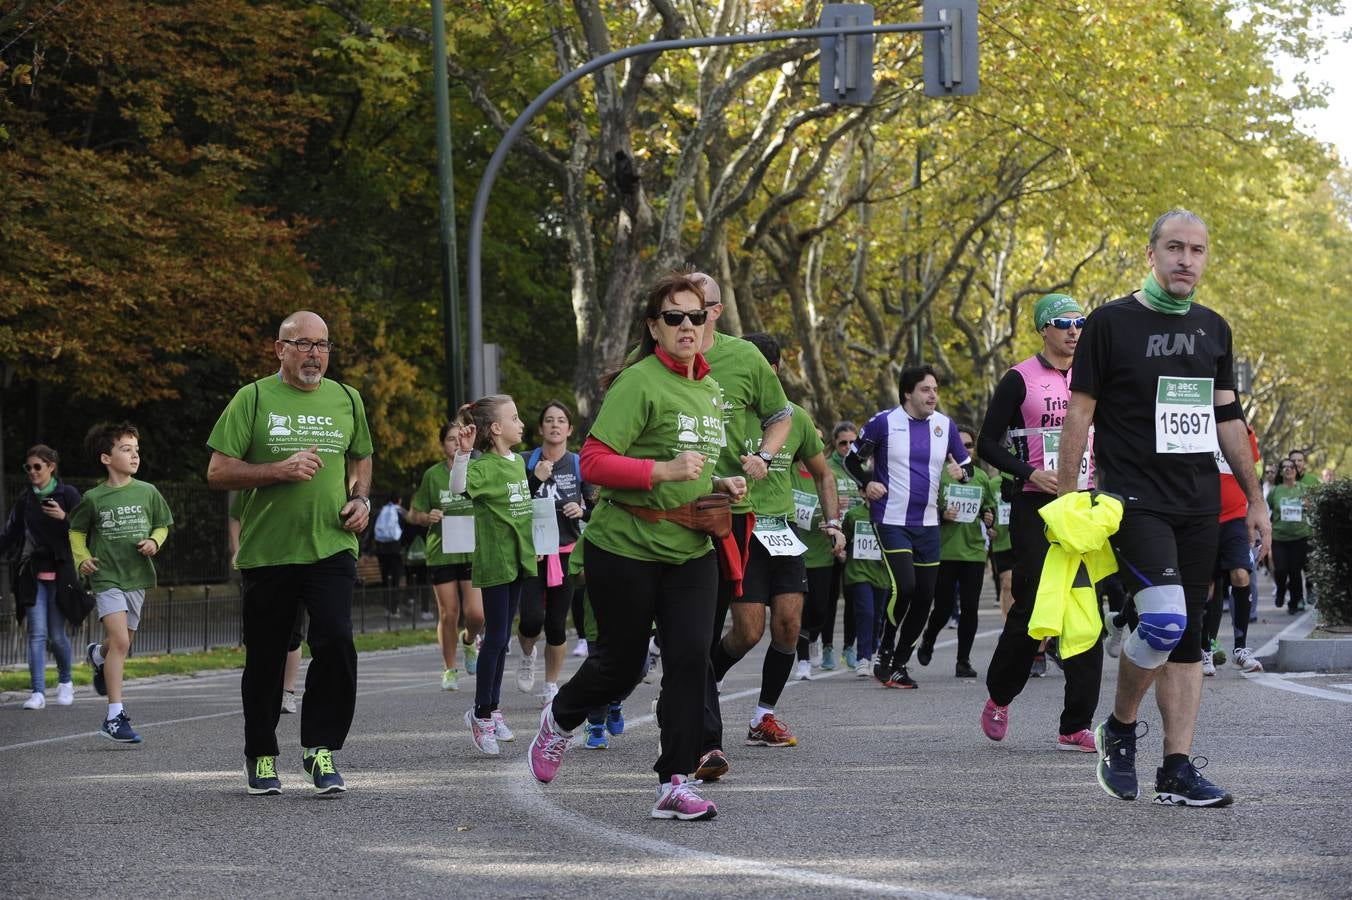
x,y
1124,350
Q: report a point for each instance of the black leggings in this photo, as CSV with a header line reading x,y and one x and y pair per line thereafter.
x,y
814,608
967,576
627,596
546,607
914,585
828,626
1288,568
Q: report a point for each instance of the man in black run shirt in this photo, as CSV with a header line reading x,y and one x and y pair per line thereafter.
x,y
1154,374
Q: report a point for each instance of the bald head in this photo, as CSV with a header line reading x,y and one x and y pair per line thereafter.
x,y
712,295
304,323
303,369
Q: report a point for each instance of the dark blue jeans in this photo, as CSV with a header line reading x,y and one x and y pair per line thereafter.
x,y
500,605
869,603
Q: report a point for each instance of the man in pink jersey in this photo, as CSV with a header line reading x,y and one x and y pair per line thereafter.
x,y
1020,436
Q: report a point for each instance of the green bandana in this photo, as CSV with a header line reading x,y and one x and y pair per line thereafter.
x,y
46,492
1161,300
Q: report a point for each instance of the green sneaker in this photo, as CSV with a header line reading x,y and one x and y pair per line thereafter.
x,y
1217,653
262,772
322,774
450,680
471,649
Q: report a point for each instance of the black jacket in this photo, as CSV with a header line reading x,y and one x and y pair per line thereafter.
x,y
43,542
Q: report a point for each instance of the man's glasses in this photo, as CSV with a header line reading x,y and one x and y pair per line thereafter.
x,y
674,317
1066,324
304,345
34,467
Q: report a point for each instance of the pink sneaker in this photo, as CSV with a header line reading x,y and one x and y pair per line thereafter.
x,y
546,750
678,800
1082,740
995,720
484,733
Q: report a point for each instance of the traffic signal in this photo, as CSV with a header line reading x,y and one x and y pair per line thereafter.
x,y
950,56
846,60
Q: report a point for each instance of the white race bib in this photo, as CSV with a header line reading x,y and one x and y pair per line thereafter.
x,y
1291,510
1185,420
777,537
804,505
1002,512
544,526
966,499
457,534
865,544
1051,457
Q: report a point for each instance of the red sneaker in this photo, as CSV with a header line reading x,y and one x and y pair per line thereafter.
x,y
769,733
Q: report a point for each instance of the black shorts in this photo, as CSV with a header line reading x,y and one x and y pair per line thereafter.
x,y
769,576
1002,561
1157,549
1232,547
452,572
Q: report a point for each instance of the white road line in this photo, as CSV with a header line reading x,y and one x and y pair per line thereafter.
x,y
1300,624
531,796
1272,680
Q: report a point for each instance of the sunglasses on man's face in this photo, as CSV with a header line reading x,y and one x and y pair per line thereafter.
x,y
1067,324
673,317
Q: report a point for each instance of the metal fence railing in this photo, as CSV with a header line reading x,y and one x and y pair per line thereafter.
x,y
207,617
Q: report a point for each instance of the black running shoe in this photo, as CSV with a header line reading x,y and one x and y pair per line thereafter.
x,y
262,772
925,653
100,684
882,669
964,669
321,772
900,679
1039,667
1185,786
1117,761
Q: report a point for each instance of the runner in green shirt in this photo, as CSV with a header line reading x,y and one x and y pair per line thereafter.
x,y
449,517
114,531
1289,506
843,436
867,584
299,444
1002,545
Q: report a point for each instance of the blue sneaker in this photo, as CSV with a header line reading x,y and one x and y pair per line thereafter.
x,y
100,685
322,774
596,736
828,658
1117,761
851,657
262,772
615,719
1185,786
120,730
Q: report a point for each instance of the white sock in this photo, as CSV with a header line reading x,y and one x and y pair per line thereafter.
x,y
761,713
114,710
98,654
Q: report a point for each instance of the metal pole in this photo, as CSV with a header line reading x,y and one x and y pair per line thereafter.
x,y
450,274
476,221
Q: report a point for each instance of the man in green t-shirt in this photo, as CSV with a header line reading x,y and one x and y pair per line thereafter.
x,y
775,574
300,445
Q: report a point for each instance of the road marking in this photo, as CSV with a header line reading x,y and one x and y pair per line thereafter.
x,y
1344,687
531,796
1272,680
1289,631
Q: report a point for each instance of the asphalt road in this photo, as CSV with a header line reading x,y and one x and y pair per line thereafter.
x,y
889,793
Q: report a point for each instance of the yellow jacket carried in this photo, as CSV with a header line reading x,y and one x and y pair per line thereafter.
x,y
1078,528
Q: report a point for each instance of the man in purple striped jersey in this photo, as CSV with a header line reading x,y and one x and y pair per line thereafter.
x,y
909,446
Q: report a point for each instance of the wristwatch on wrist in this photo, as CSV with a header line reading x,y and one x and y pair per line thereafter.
x,y
766,457
832,523
366,500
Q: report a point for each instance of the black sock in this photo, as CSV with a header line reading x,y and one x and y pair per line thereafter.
x,y
1241,600
1119,726
483,712
803,645
723,659
774,675
1175,761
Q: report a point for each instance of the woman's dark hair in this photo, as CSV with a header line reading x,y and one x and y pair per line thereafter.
x,y
44,453
668,285
446,429
845,425
559,405
912,376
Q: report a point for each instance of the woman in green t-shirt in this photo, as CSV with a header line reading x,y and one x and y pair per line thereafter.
x,y
652,448
504,547
451,568
1290,535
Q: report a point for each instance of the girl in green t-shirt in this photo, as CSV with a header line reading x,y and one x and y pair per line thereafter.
x,y
1290,535
504,548
451,569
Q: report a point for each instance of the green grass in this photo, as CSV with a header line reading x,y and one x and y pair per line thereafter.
x,y
227,658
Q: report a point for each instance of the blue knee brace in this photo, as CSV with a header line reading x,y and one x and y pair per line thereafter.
x,y
1163,612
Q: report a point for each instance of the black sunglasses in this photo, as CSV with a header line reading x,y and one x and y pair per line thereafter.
x,y
34,467
1066,324
674,317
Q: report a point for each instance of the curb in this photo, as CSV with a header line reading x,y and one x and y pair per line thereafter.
x,y
1313,655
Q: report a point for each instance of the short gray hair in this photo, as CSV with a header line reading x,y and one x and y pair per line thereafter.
x,y
1177,212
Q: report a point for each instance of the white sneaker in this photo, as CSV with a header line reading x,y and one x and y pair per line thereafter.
x,y
803,671
581,648
484,732
814,653
863,668
1246,661
525,671
289,702
37,701
547,695
1112,645
65,694
1208,664
654,672
504,733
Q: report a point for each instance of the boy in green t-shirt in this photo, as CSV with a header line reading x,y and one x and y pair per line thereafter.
x,y
114,532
